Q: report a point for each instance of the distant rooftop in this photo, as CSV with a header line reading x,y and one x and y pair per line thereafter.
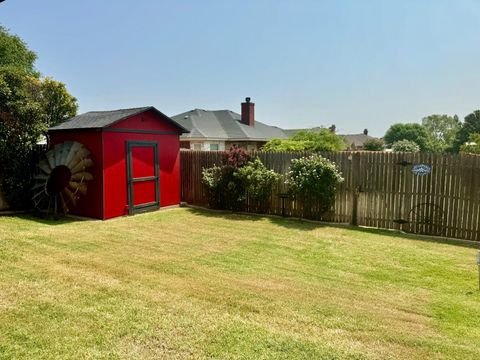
x,y
224,125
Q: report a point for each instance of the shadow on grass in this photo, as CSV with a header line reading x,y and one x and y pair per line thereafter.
x,y
46,220
308,225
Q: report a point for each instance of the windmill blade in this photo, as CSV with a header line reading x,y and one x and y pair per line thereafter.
x,y
76,157
41,177
38,185
45,166
63,203
73,150
67,145
81,176
58,154
82,165
70,196
79,156
39,193
51,158
78,187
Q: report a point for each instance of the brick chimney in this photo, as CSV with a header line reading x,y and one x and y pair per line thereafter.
x,y
248,113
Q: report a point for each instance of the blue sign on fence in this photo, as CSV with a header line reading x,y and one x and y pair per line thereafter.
x,y
421,169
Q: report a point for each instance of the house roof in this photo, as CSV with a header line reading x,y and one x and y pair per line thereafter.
x,y
357,139
224,125
102,119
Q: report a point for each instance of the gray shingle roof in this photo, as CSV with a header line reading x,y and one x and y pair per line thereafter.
x,y
224,125
101,119
357,139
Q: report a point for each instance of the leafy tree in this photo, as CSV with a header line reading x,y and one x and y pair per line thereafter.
x,y
442,131
323,140
287,145
472,146
28,105
15,53
22,121
413,132
470,125
318,140
405,146
57,103
373,145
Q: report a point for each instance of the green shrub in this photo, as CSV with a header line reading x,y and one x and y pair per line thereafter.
x,y
229,185
225,190
313,181
258,182
373,145
406,146
472,146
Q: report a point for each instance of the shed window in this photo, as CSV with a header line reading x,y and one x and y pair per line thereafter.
x,y
214,147
197,146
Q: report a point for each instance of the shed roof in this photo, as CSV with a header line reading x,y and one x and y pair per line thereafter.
x,y
224,124
102,119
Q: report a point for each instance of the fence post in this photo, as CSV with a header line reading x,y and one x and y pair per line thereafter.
x,y
355,166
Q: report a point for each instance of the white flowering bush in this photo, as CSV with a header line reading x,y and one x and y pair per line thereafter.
x,y
313,180
406,146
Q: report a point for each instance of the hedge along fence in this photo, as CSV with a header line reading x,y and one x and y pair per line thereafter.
x,y
422,193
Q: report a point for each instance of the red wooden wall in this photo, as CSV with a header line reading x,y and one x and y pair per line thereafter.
x,y
107,193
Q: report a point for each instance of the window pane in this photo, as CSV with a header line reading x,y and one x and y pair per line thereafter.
x,y
214,147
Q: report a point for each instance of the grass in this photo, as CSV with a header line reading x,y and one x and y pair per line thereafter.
x,y
186,283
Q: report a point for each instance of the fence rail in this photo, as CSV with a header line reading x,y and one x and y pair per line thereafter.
x,y
380,189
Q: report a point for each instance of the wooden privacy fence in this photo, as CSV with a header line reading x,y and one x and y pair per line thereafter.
x,y
422,193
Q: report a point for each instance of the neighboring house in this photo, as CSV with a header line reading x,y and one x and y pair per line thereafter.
x,y
356,141
221,129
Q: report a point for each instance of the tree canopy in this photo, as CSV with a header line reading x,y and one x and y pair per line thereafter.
x,y
57,104
472,146
412,131
442,131
29,104
15,53
471,125
318,140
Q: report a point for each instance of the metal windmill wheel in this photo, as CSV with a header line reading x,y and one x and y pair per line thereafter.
x,y
427,218
62,177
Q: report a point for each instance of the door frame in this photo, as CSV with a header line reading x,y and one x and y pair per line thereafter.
x,y
135,209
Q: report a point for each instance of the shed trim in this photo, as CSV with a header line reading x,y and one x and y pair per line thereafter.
x,y
140,131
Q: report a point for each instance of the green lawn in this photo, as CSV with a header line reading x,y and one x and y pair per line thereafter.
x,y
185,283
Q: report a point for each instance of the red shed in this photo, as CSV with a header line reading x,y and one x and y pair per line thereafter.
x,y
136,160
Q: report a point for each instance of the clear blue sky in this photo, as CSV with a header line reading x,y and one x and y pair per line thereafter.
x,y
357,64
